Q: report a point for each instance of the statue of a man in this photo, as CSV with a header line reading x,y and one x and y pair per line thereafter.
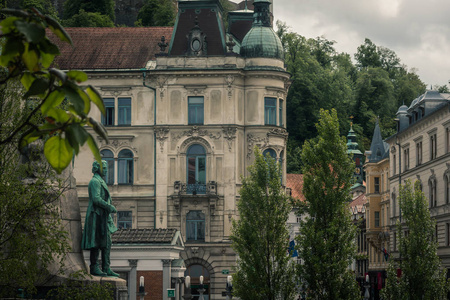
x,y
99,224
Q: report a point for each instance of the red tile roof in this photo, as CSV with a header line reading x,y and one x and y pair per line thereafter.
x,y
295,183
357,204
110,48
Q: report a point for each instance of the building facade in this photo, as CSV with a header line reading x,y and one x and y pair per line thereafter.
x,y
182,125
420,150
377,211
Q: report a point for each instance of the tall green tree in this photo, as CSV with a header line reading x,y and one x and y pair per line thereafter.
x,y
88,19
260,238
326,240
157,13
103,7
422,275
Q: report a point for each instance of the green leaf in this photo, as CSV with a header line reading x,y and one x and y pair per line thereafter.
x,y
30,58
54,99
74,97
38,87
7,24
96,98
76,135
33,32
99,129
27,79
59,115
94,148
29,137
58,30
87,101
13,47
15,12
58,152
78,76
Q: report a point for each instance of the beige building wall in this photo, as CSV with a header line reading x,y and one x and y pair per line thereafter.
x,y
411,158
233,124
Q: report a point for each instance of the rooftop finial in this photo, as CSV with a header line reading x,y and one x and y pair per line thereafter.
x,y
245,4
351,121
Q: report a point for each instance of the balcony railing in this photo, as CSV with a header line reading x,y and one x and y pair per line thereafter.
x,y
181,188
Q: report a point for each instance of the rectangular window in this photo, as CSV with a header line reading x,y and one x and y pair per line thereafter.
x,y
447,140
382,216
433,146
406,159
377,184
280,109
108,118
270,108
124,220
419,153
195,110
377,219
394,162
447,234
124,111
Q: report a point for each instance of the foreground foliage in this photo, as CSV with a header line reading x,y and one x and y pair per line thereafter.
x,y
326,240
260,237
26,55
422,276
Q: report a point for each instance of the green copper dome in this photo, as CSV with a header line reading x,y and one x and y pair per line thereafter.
x,y
262,41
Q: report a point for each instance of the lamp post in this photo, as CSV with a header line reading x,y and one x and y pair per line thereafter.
x,y
366,286
201,290
229,288
187,282
142,292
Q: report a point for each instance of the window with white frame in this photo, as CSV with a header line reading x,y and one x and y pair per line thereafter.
x,y
447,187
125,167
432,190
406,159
117,111
195,226
433,146
270,108
124,219
195,110
108,156
419,153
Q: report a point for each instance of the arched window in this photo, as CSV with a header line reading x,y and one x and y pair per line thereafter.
x,y
393,205
196,169
432,190
195,226
271,152
447,187
195,271
125,166
108,156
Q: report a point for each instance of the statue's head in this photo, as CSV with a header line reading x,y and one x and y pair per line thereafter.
x,y
96,168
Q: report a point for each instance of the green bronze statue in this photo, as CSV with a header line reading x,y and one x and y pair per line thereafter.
x,y
99,224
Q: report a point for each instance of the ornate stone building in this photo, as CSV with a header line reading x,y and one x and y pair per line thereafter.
x,y
183,125
377,211
420,150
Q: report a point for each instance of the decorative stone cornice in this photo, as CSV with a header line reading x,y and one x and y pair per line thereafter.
x,y
195,89
229,134
252,140
278,132
133,263
196,131
161,135
229,81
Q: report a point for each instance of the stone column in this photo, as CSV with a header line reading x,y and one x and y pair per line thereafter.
x,y
166,276
133,278
180,288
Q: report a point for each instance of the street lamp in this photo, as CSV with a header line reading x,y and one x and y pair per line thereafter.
x,y
229,288
201,290
187,282
142,292
366,286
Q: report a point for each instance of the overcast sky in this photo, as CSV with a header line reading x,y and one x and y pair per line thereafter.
x,y
417,30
